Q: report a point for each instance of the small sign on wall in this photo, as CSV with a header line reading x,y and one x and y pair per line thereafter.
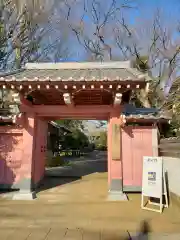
x,y
153,182
116,142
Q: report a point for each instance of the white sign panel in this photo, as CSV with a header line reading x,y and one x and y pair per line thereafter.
x,y
152,177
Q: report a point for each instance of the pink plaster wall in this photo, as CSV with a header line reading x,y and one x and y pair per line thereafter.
x,y
136,143
17,149
11,155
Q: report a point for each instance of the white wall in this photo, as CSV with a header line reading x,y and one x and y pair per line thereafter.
x,y
172,165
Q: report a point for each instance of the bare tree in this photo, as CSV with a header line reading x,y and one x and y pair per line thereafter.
x,y
105,35
93,28
27,28
154,52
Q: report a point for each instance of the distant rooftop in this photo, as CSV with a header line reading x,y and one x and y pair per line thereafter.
x,y
60,126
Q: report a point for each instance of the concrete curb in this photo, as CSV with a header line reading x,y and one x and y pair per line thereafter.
x,y
175,198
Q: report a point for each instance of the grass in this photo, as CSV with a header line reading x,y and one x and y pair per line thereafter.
x,y
72,153
62,158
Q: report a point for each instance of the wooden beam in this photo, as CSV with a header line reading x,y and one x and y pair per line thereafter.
x,y
24,101
26,106
38,96
78,117
84,110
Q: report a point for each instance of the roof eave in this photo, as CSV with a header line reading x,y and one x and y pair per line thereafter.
x,y
150,120
79,65
6,74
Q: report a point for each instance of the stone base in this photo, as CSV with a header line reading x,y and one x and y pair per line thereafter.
x,y
117,196
24,195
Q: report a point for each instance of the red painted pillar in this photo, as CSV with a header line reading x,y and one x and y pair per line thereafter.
x,y
40,151
115,181
26,171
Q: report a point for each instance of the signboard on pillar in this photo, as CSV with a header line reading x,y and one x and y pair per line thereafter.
x,y
116,141
153,182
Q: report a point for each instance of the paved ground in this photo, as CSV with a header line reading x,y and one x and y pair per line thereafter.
x,y
72,208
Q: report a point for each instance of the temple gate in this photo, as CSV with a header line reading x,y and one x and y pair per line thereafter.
x,y
92,91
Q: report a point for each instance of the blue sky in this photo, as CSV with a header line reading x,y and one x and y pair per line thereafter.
x,y
145,9
144,12
165,5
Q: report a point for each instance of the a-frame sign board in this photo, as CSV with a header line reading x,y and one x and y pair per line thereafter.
x,y
154,184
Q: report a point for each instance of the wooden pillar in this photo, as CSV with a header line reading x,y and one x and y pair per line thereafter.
x,y
40,151
115,181
155,141
26,172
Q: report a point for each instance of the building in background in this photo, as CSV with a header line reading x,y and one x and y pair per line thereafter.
x,y
93,128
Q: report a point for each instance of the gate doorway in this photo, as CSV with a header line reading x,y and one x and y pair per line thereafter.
x,y
63,167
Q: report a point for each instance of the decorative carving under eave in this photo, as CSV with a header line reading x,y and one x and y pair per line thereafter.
x,y
67,99
118,99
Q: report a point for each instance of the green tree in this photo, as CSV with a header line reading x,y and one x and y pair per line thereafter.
x,y
3,39
71,124
141,63
101,140
75,140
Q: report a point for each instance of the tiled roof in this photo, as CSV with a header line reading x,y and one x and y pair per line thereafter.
x,y
131,112
147,117
79,71
8,119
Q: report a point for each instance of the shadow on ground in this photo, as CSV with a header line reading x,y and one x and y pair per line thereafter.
x,y
55,181
57,176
